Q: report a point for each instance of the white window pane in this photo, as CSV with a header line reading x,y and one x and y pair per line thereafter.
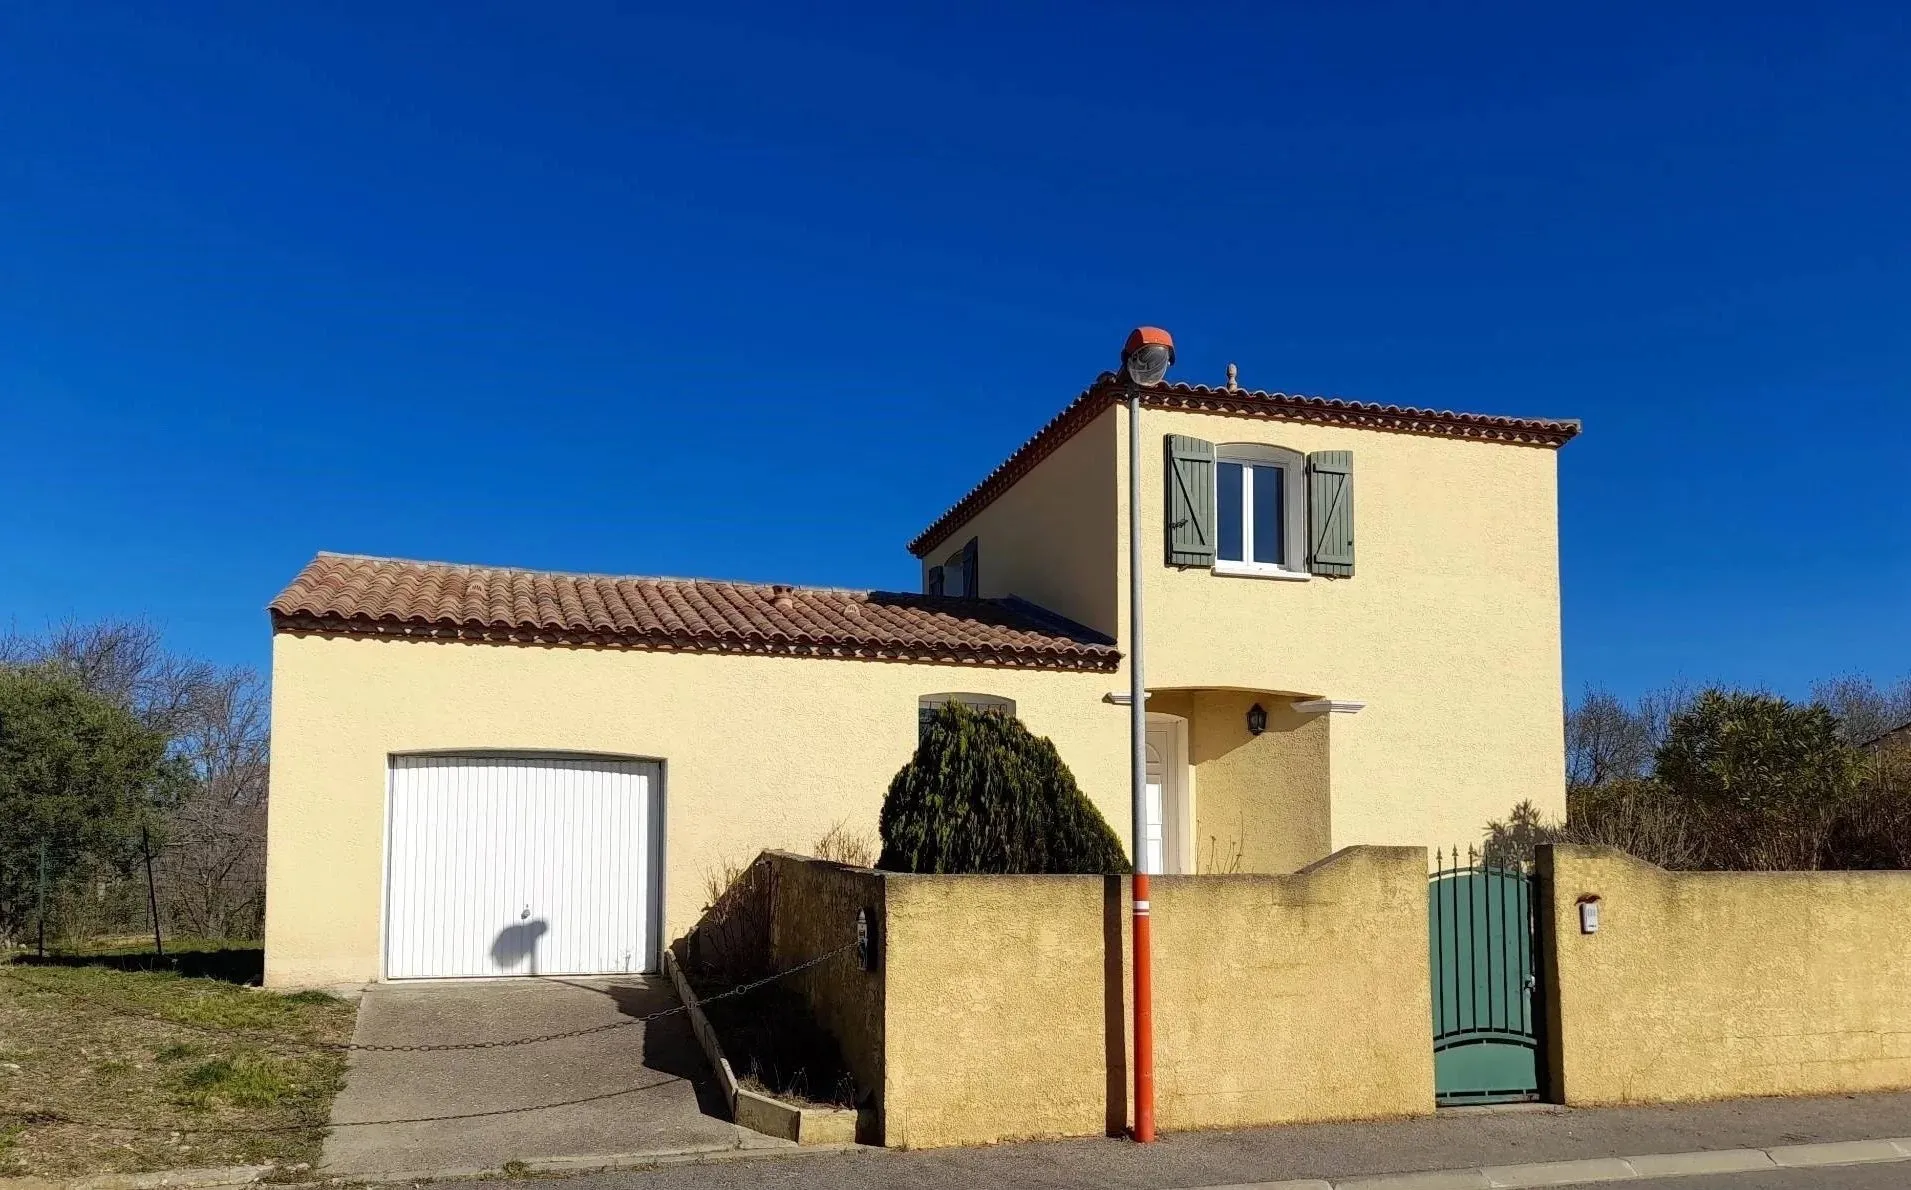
x,y
1228,510
1269,525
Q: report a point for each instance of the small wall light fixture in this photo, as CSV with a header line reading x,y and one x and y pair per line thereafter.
x,y
866,940
1256,719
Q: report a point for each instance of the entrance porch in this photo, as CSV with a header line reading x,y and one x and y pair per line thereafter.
x,y
1239,780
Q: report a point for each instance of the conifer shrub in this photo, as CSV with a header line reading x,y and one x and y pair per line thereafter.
x,y
983,794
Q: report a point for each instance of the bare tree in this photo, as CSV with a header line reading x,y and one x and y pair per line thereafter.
x,y
214,862
123,661
1606,741
211,862
1865,709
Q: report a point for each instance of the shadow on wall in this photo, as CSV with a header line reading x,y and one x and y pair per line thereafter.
x,y
1114,917
515,944
669,1047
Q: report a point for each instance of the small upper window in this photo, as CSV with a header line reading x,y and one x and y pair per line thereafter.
x,y
959,573
929,704
1259,503
955,575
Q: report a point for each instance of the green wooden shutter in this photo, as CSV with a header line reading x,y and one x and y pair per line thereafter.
x,y
935,580
1330,512
1190,501
971,584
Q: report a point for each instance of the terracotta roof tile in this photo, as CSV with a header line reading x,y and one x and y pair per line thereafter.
x,y
349,593
1239,402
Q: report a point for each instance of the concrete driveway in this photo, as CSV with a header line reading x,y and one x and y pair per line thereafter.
x,y
636,1089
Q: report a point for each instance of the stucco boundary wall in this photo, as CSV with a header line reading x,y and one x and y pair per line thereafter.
x,y
1000,1007
1713,985
813,912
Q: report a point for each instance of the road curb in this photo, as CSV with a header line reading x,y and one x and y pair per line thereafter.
x,y
162,1179
1598,1171
659,1159
251,1175
1528,1176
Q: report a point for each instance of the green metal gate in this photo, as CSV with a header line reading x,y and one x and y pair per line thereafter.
x,y
1485,991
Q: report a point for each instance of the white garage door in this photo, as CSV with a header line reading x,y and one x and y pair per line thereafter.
x,y
520,865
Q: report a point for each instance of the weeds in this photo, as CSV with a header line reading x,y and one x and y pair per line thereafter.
x,y
1225,862
720,880
244,1080
124,1071
841,845
311,997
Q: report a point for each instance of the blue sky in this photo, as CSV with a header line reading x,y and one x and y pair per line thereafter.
x,y
751,292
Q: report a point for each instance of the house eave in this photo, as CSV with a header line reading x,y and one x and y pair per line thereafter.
x,y
1545,433
1101,661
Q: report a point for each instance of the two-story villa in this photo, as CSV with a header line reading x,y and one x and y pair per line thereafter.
x,y
1352,637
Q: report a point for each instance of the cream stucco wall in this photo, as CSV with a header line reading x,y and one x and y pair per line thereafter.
x,y
1710,985
1006,1001
758,753
1051,537
1449,629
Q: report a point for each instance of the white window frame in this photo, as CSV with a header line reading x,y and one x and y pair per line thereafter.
x,y
993,703
953,569
955,580
1293,465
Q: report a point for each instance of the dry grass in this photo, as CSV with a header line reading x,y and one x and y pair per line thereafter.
x,y
720,879
778,1048
208,1073
844,846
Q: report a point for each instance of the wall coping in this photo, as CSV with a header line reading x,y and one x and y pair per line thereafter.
x,y
1344,855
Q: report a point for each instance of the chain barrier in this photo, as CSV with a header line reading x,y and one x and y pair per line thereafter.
x,y
31,1116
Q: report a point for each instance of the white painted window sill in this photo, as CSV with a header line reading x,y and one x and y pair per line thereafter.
x,y
1247,570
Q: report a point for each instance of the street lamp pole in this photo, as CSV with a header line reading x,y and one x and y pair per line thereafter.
x,y
1144,361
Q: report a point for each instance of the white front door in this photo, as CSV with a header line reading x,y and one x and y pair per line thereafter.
x,y
520,865
1160,831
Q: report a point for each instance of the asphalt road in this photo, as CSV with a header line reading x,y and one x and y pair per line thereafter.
x,y
1456,1140
1893,1176
861,1171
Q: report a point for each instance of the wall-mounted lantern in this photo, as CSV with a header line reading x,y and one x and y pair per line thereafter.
x,y
1256,719
866,940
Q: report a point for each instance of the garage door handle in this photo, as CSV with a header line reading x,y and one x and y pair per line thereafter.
x,y
526,914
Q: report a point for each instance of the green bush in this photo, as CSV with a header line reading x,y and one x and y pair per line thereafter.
x,y
1738,781
984,795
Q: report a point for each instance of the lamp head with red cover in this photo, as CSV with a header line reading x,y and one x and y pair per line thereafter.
x,y
1147,354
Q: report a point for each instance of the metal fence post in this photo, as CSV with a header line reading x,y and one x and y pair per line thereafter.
x,y
152,897
41,915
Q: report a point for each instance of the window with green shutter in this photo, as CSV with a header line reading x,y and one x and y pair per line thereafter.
x,y
1190,506
960,572
1260,501
1330,512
